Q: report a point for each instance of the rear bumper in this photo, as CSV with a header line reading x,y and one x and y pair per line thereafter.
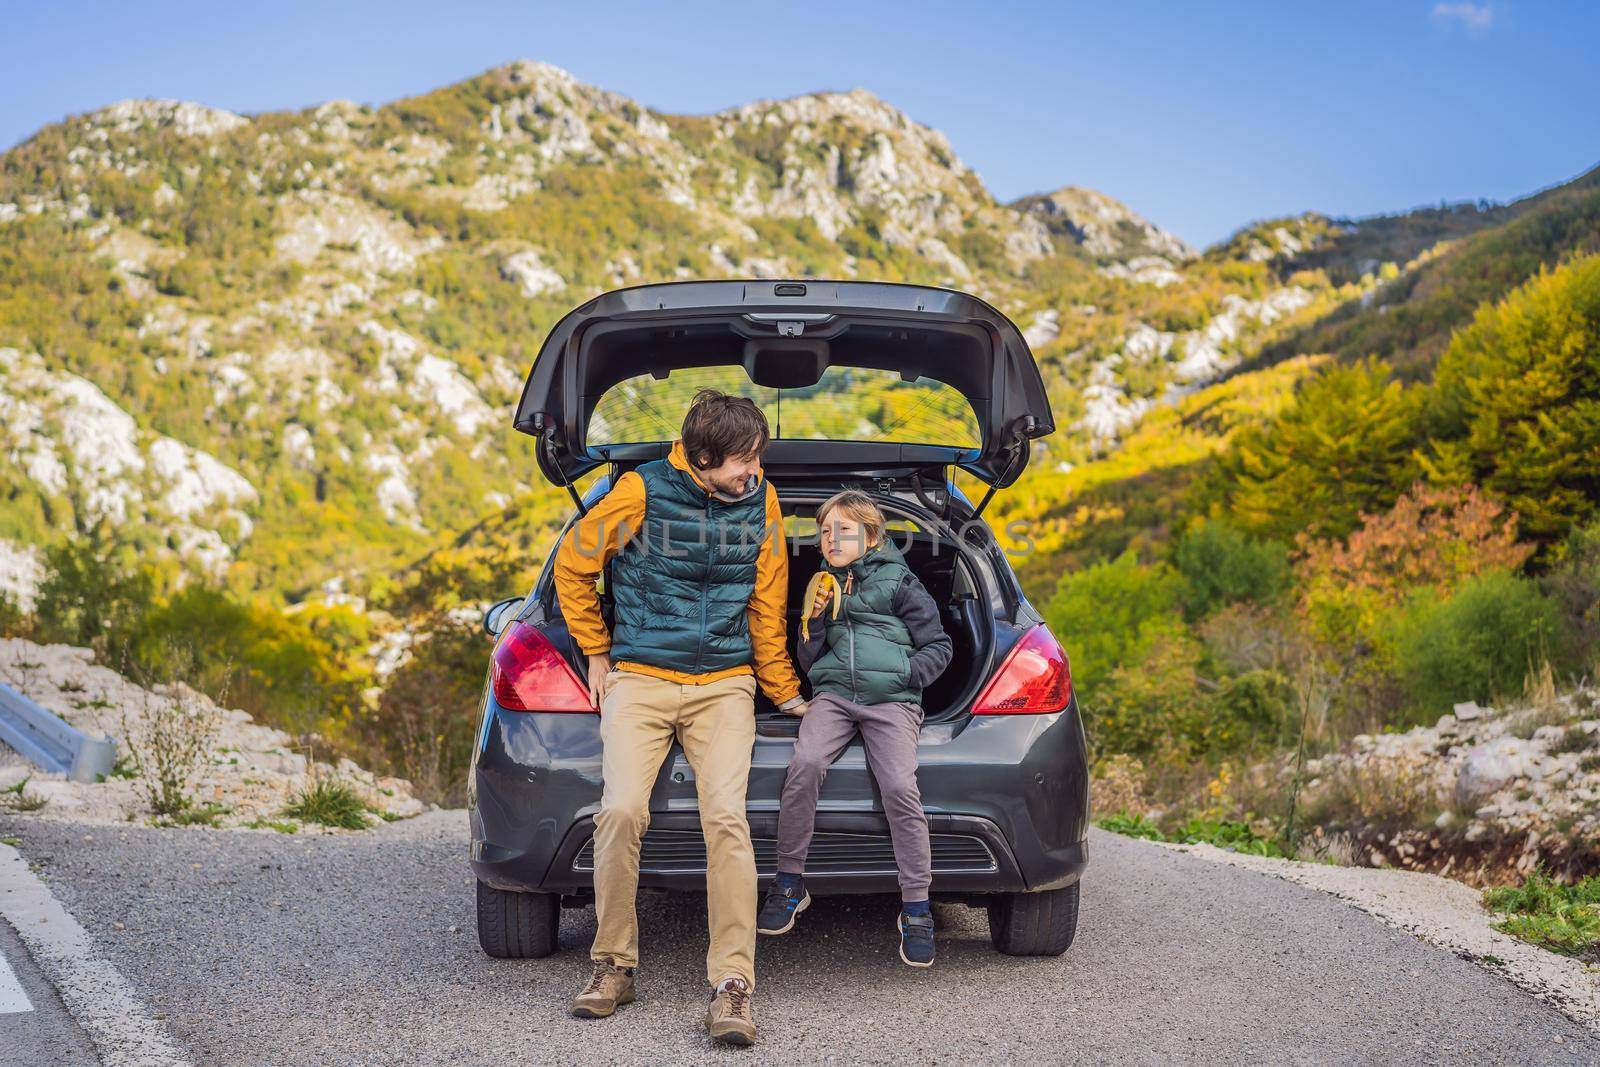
x,y
851,853
1006,798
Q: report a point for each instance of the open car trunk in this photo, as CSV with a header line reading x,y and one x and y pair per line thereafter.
x,y
851,376
958,580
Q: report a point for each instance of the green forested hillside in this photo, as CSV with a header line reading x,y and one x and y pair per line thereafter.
x,y
299,334
262,368
1461,256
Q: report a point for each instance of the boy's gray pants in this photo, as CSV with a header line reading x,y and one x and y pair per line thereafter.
x,y
889,732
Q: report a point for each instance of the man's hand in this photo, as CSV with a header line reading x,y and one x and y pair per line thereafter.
x,y
599,667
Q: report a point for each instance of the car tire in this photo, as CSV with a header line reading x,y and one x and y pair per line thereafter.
x,y
1034,924
517,926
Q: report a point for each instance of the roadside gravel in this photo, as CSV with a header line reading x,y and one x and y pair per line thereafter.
x,y
359,949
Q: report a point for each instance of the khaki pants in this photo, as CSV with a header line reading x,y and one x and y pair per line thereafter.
x,y
716,725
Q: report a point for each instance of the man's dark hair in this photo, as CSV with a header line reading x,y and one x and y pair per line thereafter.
x,y
718,426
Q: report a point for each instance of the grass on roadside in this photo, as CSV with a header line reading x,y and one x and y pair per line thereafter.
x,y
1223,833
331,804
283,827
16,797
205,814
1132,826
1561,918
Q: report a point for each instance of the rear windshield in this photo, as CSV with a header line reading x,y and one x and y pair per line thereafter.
x,y
848,404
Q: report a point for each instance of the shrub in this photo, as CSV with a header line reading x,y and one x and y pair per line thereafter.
x,y
1221,565
1233,835
286,670
1253,710
1433,538
1117,784
1245,637
423,727
1109,614
330,803
171,739
1153,707
1481,643
1374,794
275,666
1574,584
93,592
14,622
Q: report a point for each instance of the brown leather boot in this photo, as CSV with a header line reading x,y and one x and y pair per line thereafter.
x,y
609,988
729,1018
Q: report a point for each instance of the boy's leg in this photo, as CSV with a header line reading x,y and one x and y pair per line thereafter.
x,y
825,730
636,723
718,732
890,732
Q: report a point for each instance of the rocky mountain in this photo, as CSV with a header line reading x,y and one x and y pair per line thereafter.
x,y
281,349
1455,258
1104,227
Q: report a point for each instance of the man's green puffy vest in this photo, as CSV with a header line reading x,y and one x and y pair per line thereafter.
x,y
868,653
681,587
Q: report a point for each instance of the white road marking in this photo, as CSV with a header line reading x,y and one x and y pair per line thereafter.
x,y
100,999
12,997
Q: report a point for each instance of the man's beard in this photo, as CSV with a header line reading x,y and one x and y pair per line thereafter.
x,y
733,488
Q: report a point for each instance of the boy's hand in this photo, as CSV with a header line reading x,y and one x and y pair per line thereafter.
x,y
599,667
797,710
819,602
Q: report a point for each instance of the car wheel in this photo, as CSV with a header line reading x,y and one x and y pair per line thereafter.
x,y
517,926
1034,924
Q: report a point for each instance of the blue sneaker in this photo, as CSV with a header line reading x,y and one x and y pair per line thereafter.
x,y
781,908
916,940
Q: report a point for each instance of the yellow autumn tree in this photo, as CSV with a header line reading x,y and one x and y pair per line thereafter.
x,y
1517,401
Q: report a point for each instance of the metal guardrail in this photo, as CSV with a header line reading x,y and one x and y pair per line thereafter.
x,y
43,738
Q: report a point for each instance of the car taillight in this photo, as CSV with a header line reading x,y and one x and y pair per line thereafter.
x,y
1035,679
530,675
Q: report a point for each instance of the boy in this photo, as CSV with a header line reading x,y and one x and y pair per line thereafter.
x,y
868,661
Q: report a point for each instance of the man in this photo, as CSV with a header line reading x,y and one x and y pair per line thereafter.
x,y
699,578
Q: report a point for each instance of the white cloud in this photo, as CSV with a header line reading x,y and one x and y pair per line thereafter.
x,y
1475,18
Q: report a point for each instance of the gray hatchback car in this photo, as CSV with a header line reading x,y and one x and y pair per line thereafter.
x,y
881,387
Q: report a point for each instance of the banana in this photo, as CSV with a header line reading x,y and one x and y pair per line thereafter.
x,y
813,587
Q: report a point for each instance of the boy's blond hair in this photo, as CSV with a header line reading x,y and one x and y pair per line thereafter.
x,y
858,506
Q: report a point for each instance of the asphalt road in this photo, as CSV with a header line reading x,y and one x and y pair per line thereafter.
x,y
35,1027
258,948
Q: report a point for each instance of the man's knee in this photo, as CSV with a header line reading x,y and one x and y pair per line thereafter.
x,y
628,815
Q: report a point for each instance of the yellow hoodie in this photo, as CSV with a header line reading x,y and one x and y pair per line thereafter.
x,y
581,559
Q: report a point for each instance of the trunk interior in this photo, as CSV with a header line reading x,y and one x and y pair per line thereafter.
x,y
949,579
949,576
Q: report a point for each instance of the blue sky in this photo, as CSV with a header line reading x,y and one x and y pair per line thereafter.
x,y
1201,116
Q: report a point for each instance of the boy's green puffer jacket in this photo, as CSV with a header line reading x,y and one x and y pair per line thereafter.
x,y
887,643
